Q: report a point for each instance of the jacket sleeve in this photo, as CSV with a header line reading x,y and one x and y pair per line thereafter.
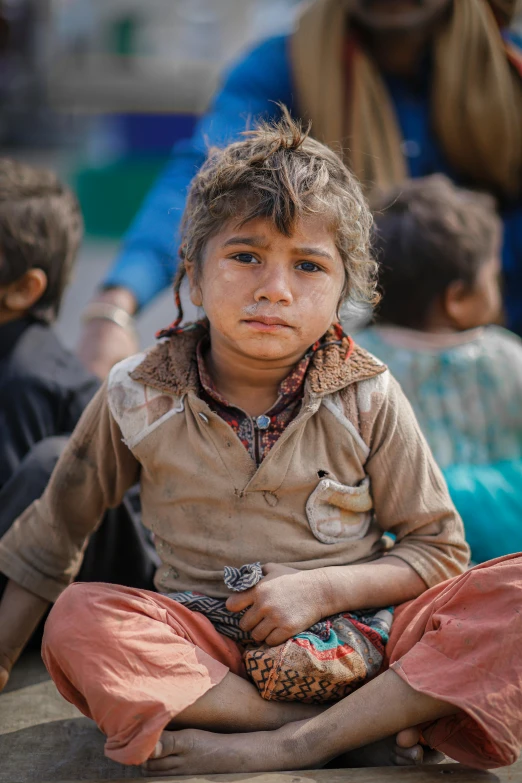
x,y
251,90
410,496
43,550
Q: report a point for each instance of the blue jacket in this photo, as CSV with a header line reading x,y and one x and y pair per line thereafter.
x,y
251,90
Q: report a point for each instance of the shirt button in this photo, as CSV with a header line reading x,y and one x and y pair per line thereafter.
x,y
263,422
203,418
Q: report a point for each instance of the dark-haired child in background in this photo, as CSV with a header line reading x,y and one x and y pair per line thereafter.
x,y
438,248
44,388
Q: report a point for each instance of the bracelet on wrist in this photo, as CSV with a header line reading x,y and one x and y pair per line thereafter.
x,y
105,311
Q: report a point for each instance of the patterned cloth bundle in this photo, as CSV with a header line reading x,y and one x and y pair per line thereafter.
x,y
323,664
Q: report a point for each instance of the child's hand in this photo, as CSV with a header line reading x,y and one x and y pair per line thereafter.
x,y
274,570
284,603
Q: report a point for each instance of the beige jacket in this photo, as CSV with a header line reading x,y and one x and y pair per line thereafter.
x,y
351,465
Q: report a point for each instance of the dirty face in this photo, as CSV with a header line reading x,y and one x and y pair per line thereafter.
x,y
268,296
396,15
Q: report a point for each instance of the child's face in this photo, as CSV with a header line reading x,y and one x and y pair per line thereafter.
x,y
480,305
487,299
266,295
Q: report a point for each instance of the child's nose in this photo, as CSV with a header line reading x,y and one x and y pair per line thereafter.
x,y
274,287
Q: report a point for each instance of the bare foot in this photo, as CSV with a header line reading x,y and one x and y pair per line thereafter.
x,y
195,752
408,749
403,750
191,751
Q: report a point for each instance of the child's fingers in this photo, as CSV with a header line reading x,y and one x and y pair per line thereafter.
x,y
261,631
278,636
240,601
251,618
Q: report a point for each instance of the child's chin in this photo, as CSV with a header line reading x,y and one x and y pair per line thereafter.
x,y
269,349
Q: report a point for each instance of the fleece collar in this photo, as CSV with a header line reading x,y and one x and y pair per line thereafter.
x,y
171,366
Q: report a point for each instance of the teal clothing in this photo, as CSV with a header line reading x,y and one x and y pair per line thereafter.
x,y
466,391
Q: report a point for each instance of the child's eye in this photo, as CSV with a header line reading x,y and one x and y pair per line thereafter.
x,y
308,266
245,258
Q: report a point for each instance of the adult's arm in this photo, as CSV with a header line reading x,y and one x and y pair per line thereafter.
x,y
148,257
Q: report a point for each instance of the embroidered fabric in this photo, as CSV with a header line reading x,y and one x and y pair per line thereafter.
x,y
322,664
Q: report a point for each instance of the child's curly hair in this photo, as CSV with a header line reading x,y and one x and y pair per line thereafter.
x,y
278,172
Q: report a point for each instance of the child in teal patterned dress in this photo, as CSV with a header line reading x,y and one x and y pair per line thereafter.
x,y
439,274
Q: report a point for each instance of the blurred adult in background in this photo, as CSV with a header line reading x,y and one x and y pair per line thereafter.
x,y
406,87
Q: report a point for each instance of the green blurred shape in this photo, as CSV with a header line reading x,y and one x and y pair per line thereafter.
x,y
111,195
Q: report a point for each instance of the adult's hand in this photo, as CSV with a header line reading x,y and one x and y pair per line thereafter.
x,y
103,343
20,613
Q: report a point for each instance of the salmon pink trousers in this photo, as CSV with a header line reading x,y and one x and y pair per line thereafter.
x,y
132,660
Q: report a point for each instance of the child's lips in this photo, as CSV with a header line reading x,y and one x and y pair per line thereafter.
x,y
266,324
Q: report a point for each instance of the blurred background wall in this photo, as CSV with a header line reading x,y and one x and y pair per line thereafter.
x,y
117,82
101,89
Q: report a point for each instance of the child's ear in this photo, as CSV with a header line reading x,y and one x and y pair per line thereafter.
x,y
25,292
196,296
456,303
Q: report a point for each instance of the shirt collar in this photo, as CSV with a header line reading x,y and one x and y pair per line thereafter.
x,y
171,366
289,388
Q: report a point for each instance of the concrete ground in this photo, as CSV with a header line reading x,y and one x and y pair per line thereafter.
x,y
43,738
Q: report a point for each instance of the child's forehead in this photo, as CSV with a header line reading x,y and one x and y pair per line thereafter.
x,y
304,231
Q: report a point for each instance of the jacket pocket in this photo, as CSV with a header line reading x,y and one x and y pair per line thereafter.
x,y
337,512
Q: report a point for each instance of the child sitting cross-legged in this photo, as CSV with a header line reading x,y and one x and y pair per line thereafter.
x,y
273,455
438,251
